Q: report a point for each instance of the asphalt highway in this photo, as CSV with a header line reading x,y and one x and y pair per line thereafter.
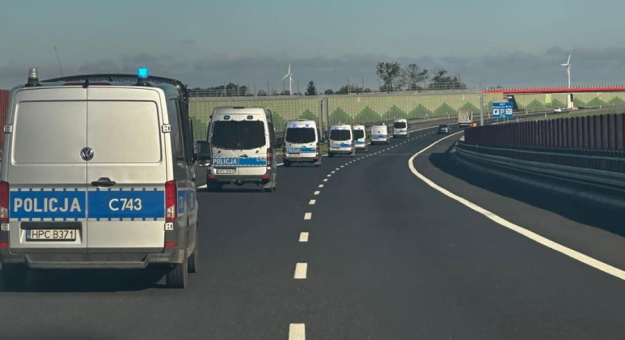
x,y
359,248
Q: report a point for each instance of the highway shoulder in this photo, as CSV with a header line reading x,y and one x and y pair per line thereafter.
x,y
586,227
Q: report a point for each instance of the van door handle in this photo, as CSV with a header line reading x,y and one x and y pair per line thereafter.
x,y
103,182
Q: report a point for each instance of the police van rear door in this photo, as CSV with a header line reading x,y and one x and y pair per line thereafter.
x,y
126,176
240,144
46,171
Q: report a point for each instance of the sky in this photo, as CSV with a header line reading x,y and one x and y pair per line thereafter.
x,y
251,42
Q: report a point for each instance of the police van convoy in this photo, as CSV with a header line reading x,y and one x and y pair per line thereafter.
x,y
341,141
239,148
98,173
360,137
301,142
401,128
379,134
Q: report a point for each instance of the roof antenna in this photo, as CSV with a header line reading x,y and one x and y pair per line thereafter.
x,y
58,60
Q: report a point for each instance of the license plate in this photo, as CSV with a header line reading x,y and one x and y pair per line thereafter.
x,y
51,234
293,153
226,171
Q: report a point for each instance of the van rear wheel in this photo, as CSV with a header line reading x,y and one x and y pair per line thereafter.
x,y
194,259
269,187
13,277
178,276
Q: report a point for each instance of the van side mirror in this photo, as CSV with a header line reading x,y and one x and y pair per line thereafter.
x,y
203,155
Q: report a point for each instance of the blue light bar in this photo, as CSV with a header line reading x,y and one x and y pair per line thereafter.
x,y
143,73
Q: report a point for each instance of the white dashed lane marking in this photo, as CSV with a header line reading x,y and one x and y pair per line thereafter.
x,y
303,237
320,185
312,202
300,271
325,179
297,331
307,216
317,192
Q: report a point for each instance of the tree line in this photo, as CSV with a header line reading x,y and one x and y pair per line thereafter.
x,y
391,74
395,78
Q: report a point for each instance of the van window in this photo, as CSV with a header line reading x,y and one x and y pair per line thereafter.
x,y
238,135
359,134
124,132
49,132
399,125
300,135
340,135
187,131
176,131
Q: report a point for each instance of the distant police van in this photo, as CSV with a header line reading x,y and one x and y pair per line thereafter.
x,y
401,128
98,173
240,148
360,137
379,134
301,142
341,141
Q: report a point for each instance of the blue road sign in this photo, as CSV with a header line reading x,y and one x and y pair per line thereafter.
x,y
502,110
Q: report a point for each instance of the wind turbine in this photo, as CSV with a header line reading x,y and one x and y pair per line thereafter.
x,y
568,69
290,76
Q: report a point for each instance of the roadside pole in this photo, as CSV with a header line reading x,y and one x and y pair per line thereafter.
x,y
481,108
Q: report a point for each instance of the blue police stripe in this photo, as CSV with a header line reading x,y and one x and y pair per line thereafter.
x,y
236,161
47,204
126,204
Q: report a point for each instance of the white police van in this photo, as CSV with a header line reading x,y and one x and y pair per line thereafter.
x,y
360,137
379,134
301,142
98,173
239,148
341,141
401,128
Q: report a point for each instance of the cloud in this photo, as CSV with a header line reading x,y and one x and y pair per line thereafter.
x,y
589,66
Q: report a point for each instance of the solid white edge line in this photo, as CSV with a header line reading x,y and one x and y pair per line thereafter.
x,y
583,258
297,331
308,216
312,202
300,271
202,186
303,237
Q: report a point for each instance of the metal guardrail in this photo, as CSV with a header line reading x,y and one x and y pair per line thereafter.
x,y
611,179
603,160
604,132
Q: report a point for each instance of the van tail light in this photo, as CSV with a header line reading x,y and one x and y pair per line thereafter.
x,y
171,201
4,202
269,156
